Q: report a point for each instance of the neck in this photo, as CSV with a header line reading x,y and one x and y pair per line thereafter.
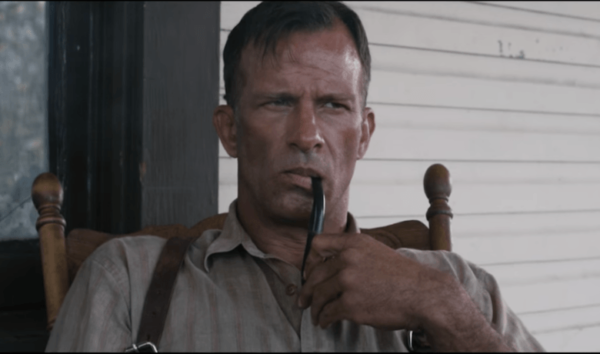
x,y
284,241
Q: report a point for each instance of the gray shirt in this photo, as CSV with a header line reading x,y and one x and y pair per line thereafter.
x,y
230,296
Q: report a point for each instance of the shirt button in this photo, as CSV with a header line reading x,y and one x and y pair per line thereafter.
x,y
291,289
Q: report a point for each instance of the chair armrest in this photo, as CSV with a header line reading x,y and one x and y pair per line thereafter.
x,y
405,234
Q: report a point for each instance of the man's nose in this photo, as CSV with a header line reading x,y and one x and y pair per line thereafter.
x,y
303,129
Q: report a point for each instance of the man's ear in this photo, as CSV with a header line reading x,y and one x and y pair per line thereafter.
x,y
367,128
224,122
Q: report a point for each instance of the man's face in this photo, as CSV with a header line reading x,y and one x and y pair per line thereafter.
x,y
300,115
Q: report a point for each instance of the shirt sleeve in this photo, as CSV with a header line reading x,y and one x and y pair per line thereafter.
x,y
485,293
95,313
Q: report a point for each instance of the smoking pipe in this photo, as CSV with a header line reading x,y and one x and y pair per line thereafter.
x,y
317,215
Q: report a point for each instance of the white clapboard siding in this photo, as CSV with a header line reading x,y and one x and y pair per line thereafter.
x,y
506,96
393,28
487,173
536,247
574,325
523,286
389,200
535,298
233,11
427,62
482,145
515,275
551,296
393,87
587,10
544,321
474,120
485,15
575,339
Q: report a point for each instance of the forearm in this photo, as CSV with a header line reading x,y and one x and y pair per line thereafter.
x,y
456,324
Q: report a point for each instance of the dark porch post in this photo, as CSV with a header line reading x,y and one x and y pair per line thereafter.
x,y
131,91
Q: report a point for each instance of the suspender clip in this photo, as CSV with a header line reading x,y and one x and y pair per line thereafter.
x,y
147,347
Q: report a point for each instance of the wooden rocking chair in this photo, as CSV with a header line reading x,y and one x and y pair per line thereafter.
x,y
62,257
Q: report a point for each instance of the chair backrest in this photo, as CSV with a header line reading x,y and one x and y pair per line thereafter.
x,y
62,257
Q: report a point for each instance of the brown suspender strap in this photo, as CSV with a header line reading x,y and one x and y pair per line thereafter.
x,y
158,297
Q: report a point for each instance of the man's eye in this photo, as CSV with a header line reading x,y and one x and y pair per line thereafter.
x,y
333,105
279,103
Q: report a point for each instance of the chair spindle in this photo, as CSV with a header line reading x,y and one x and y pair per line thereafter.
x,y
438,186
47,195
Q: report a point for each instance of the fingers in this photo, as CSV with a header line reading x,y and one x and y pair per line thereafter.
x,y
332,312
324,293
318,273
324,246
313,261
330,256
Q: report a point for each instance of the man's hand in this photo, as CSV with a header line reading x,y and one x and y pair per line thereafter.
x,y
357,278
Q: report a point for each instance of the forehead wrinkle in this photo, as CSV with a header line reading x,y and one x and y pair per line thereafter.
x,y
326,73
258,58
285,49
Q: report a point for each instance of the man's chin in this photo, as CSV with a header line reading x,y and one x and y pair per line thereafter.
x,y
294,211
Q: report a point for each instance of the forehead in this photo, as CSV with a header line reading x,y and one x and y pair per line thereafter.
x,y
325,54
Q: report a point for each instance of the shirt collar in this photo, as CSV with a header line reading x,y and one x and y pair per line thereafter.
x,y
233,235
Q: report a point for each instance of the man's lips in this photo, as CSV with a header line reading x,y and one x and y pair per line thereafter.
x,y
305,171
302,176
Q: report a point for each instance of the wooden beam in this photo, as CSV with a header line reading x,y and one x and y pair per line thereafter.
x,y
131,90
181,87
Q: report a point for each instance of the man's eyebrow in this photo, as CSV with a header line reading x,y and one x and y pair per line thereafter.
x,y
291,97
336,97
275,95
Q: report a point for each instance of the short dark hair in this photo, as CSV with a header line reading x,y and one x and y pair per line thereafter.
x,y
269,22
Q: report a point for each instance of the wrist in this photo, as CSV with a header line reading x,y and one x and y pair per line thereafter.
x,y
439,310
453,322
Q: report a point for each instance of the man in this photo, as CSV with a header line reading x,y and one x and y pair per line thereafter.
x,y
296,77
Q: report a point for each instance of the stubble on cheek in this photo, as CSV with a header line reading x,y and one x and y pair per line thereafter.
x,y
260,176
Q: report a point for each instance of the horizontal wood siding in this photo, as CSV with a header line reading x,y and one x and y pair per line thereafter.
x,y
505,94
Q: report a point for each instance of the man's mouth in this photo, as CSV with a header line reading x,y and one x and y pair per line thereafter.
x,y
300,177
